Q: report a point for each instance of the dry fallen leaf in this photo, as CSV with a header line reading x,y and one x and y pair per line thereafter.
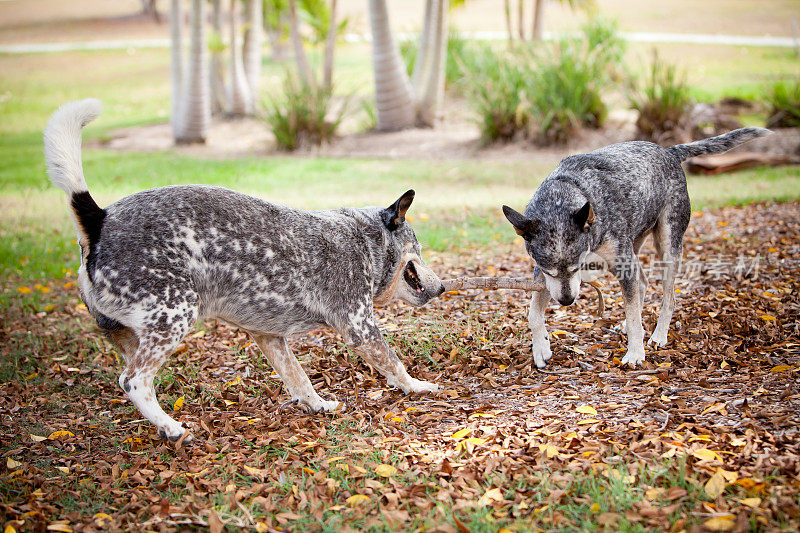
x,y
385,470
719,524
715,485
357,499
178,403
587,410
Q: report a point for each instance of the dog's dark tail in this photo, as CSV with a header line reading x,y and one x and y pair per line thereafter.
x,y
62,152
717,145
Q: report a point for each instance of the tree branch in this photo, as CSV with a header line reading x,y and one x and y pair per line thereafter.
x,y
525,284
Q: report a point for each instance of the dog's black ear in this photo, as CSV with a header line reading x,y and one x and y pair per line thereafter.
x,y
394,215
584,217
524,227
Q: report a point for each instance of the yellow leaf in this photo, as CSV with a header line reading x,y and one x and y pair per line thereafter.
x,y
729,476
357,499
9,529
396,419
736,441
476,441
233,382
481,415
103,519
58,434
69,284
548,450
588,421
558,333
751,502
178,403
768,318
385,470
491,495
461,433
59,527
719,524
716,485
504,530
24,290
587,410
652,494
706,454
11,464
595,507
781,368
724,364
261,527
63,469
255,471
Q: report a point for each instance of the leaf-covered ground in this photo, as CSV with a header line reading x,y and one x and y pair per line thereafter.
x,y
705,435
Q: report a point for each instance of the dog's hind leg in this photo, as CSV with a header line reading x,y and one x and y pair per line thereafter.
x,y
285,364
668,241
541,340
137,381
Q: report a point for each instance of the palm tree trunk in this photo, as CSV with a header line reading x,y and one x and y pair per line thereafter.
x,y
216,72
394,98
303,67
197,109
241,102
253,39
538,19
422,63
509,29
330,46
430,93
176,65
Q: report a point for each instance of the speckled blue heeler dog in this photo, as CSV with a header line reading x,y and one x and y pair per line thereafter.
x,y
155,262
608,202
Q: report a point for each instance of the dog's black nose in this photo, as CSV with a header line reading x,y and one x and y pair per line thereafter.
x,y
441,290
568,300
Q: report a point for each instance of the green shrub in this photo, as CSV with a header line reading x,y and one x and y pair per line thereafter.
x,y
661,101
303,116
496,91
782,100
544,92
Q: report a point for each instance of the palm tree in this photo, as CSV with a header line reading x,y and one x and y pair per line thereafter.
x,y
190,123
399,103
176,65
253,37
239,95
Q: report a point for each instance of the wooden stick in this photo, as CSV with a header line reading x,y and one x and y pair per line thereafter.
x,y
525,284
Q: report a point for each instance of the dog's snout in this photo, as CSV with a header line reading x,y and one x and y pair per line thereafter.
x,y
566,300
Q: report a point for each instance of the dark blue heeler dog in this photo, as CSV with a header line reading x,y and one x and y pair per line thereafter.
x,y
607,202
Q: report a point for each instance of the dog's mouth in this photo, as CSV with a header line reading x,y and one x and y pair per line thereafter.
x,y
412,278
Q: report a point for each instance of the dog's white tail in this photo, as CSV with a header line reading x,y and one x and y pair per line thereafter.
x,y
62,144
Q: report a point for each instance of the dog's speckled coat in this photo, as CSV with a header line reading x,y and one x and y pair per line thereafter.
x,y
155,262
608,202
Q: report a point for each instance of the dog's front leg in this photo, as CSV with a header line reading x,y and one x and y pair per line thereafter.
x,y
285,364
366,340
627,270
541,340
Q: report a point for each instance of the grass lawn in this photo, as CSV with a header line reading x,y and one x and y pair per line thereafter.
x,y
263,467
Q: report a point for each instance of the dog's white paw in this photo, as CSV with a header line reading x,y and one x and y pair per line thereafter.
x,y
317,405
633,357
416,385
541,351
174,433
659,338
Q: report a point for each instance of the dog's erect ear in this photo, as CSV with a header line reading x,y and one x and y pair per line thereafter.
x,y
394,215
523,226
584,217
